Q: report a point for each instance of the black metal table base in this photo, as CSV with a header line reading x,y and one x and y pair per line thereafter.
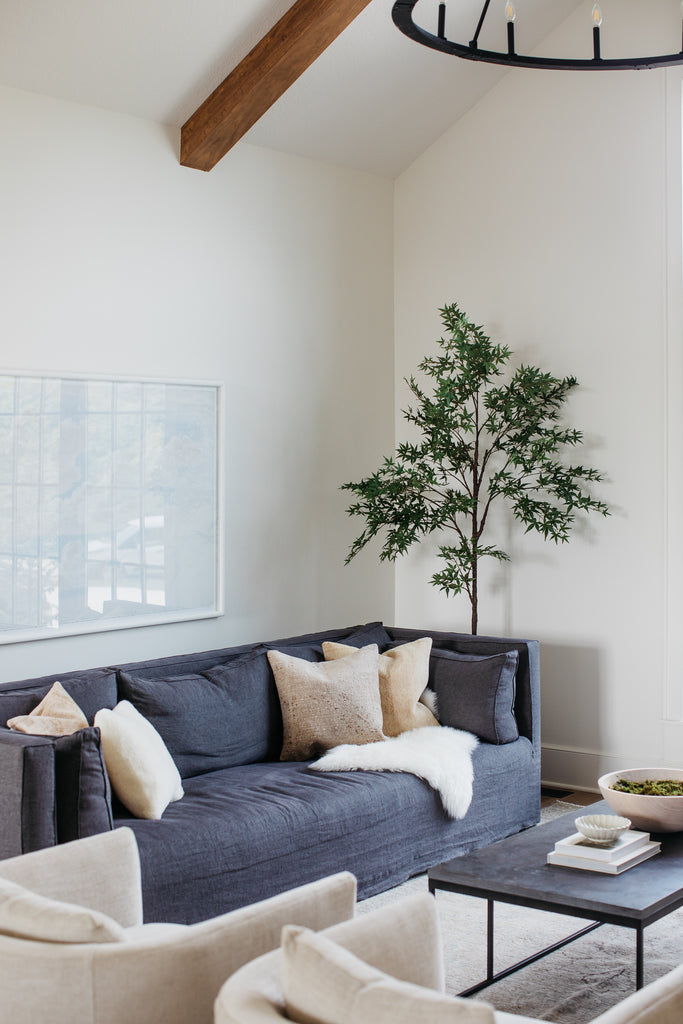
x,y
492,976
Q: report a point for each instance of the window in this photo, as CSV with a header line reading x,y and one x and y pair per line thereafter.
x,y
109,504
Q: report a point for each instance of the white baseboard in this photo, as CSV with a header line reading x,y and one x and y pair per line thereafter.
x,y
580,769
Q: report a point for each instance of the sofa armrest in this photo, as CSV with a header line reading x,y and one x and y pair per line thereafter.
x,y
27,793
101,872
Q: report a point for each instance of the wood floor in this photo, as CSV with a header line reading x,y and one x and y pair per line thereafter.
x,y
549,796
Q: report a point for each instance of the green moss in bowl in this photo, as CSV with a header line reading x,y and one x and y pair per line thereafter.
x,y
650,787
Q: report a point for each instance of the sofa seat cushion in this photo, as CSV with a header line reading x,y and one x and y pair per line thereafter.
x,y
249,832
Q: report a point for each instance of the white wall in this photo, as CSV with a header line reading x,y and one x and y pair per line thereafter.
x,y
271,274
551,213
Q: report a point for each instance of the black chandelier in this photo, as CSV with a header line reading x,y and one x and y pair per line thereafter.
x,y
402,14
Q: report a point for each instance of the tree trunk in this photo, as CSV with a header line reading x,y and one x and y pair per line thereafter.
x,y
474,599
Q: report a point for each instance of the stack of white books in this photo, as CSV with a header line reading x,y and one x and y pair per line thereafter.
x,y
631,848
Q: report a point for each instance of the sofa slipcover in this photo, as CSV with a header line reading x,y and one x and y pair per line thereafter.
x,y
253,826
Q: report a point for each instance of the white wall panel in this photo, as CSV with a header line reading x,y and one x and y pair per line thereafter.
x,y
550,214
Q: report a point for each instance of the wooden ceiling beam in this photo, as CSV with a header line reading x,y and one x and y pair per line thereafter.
x,y
284,53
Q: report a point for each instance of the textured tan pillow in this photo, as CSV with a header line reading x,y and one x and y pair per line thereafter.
x,y
26,915
327,703
403,676
323,983
58,714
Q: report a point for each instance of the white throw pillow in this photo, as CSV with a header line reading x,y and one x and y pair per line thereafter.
x,y
323,983
141,770
26,915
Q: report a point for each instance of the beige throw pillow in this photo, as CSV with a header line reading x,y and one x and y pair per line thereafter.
x,y
26,915
403,676
58,714
323,983
327,703
141,770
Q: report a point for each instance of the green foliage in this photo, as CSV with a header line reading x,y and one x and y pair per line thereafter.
x,y
481,439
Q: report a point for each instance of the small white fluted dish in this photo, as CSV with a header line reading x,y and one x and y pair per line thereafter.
x,y
648,813
604,829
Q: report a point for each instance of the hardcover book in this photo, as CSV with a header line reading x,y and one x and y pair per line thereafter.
x,y
579,846
611,861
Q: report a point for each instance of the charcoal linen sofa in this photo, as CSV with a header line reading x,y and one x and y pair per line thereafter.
x,y
250,826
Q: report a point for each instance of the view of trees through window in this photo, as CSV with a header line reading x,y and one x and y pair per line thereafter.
x,y
108,502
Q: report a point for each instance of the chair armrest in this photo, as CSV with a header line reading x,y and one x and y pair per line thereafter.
x,y
27,793
176,973
660,1002
101,872
401,939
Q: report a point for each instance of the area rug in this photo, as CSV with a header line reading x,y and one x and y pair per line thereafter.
x,y
571,986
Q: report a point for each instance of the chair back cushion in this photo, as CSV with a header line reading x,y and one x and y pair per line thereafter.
x,y
324,983
26,915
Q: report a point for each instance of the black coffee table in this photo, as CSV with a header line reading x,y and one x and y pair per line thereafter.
x,y
514,870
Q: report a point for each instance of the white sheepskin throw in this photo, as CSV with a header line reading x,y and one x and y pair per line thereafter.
x,y
442,757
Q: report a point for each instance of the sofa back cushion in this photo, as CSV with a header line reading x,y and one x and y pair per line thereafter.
x,y
310,648
226,716
91,690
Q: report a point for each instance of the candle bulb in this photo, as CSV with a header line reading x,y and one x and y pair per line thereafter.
x,y
510,15
596,17
441,31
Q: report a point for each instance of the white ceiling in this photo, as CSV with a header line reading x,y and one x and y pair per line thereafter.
x,y
373,100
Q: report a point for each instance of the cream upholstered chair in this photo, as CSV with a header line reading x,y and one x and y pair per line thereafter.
x,y
385,967
73,949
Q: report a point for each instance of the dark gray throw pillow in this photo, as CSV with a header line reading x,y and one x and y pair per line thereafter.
x,y
476,693
82,790
228,715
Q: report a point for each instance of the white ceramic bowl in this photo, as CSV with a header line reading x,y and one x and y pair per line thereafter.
x,y
647,813
602,828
